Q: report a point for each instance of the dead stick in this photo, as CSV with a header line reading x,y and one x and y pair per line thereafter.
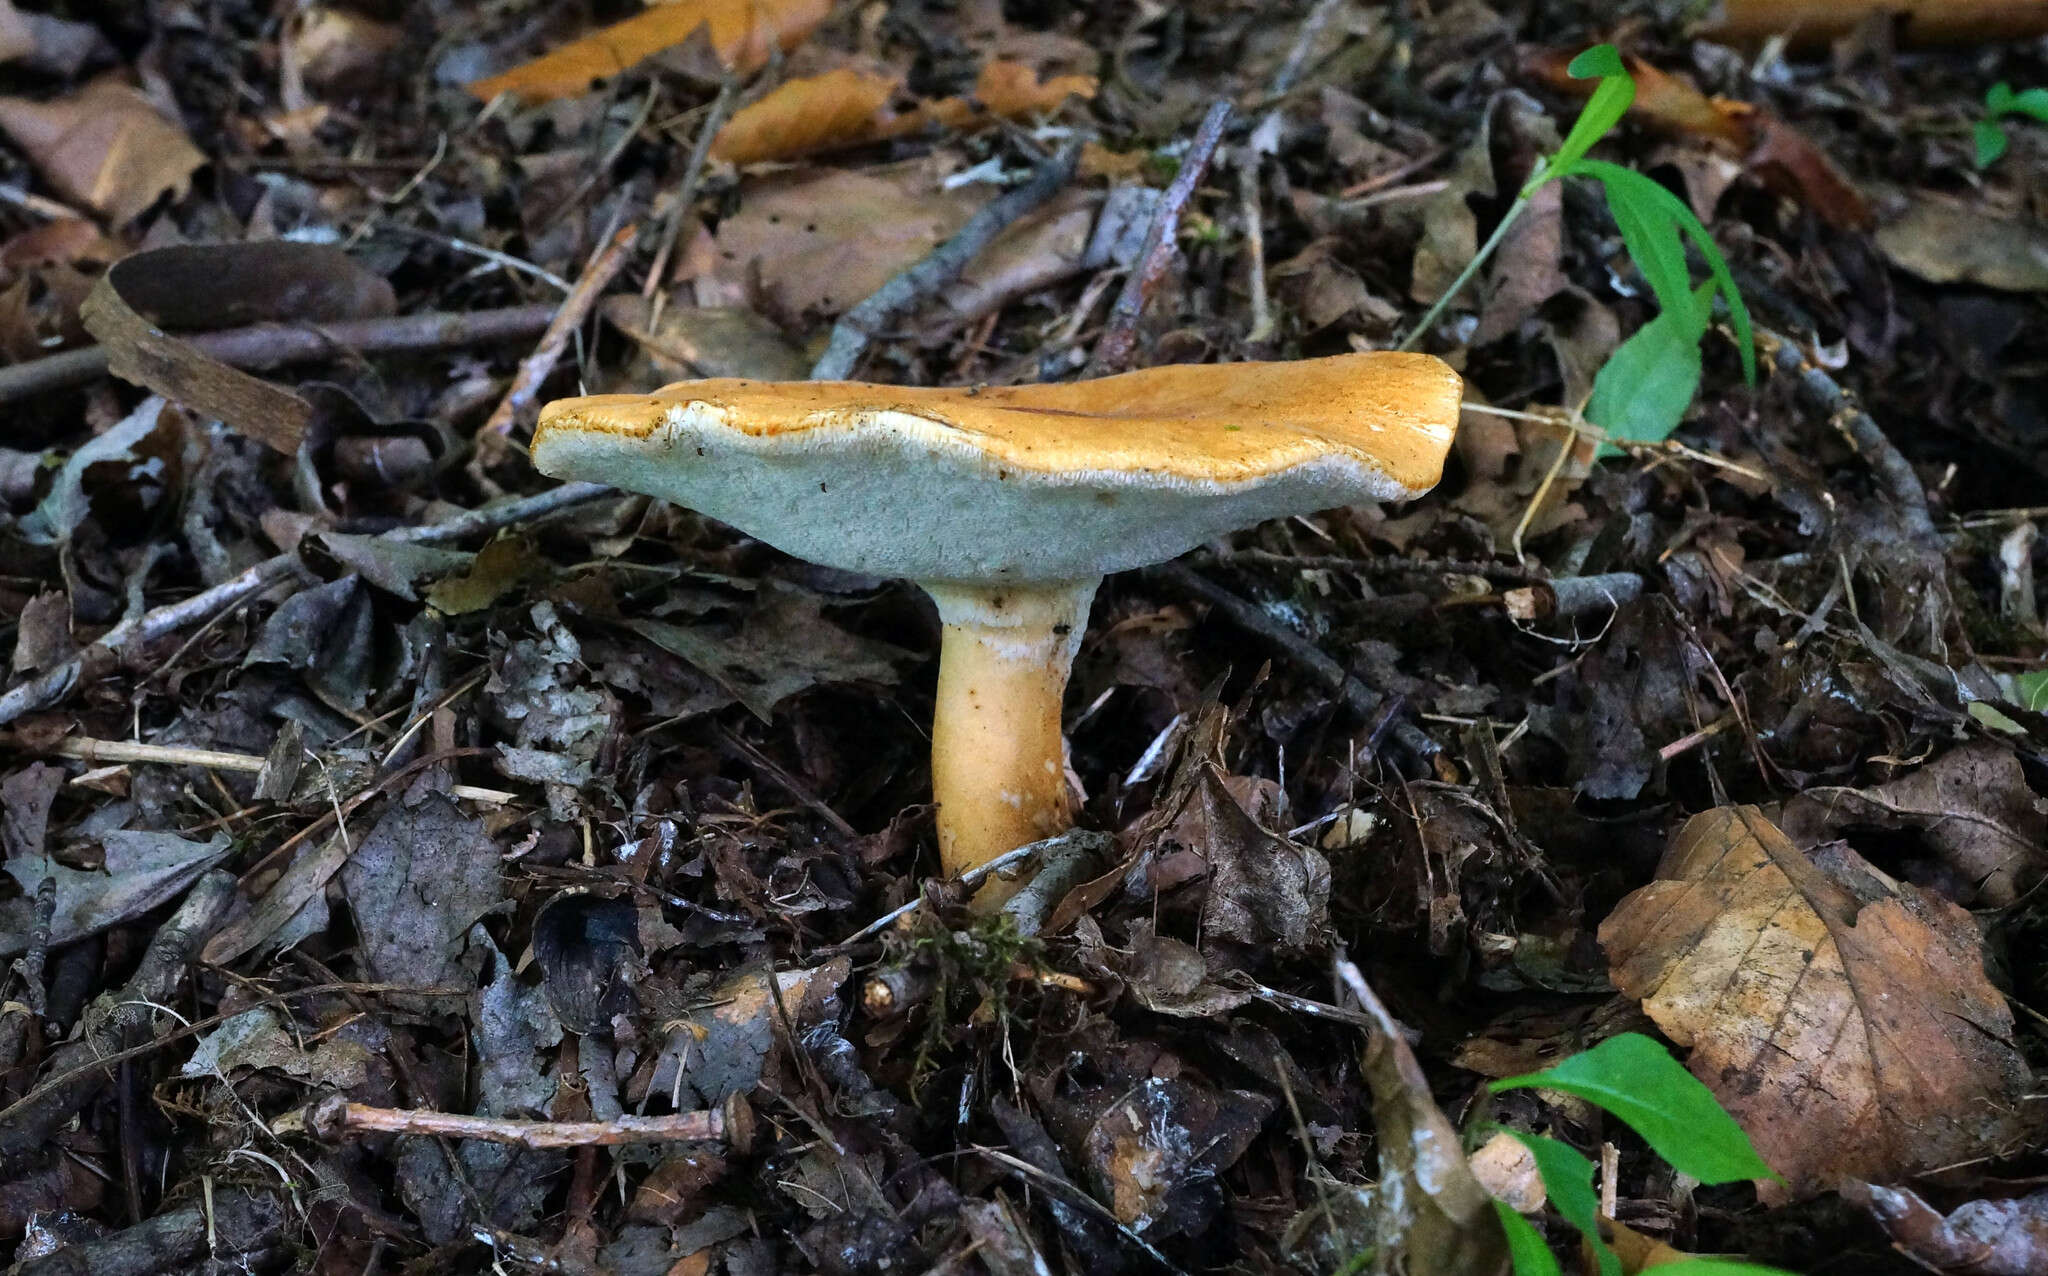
x,y
86,749
226,1229
693,177
269,345
535,369
866,321
102,656
335,1116
1120,335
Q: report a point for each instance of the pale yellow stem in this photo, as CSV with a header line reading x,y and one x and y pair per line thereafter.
x,y
998,759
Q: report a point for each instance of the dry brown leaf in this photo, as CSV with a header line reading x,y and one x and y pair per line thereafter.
x,y
818,242
1971,804
104,146
742,34
850,107
1945,242
1843,1018
48,43
683,342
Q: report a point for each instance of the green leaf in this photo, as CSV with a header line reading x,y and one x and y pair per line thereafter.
x,y
1654,196
1991,142
1651,236
1641,393
1610,101
1637,1080
2033,690
2033,104
1568,1178
1605,59
1525,1244
1998,99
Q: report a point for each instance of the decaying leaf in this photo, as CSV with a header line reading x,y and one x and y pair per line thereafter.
x,y
1843,1018
1433,1217
422,875
684,342
1945,242
1973,806
140,871
106,146
259,1039
849,107
719,1045
743,34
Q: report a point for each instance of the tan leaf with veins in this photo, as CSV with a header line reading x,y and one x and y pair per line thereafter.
x,y
1842,1017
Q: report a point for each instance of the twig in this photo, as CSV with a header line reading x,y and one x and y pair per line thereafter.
x,y
26,1125
1824,394
858,327
693,177
117,751
1570,596
1120,334
1361,699
535,369
100,658
334,1117
1255,246
1304,44
268,345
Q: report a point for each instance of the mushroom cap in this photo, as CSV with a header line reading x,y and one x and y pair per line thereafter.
x,y
1063,481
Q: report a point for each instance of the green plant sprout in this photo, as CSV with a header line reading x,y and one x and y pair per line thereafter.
x,y
1644,388
1637,1081
2001,104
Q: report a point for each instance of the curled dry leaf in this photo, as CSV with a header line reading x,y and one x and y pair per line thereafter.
x,y
849,107
1843,1018
743,33
1972,805
105,146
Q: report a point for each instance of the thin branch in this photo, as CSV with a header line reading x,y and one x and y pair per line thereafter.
x,y
122,751
1120,335
335,1117
858,327
269,345
693,177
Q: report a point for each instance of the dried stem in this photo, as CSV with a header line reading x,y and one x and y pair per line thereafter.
x,y
119,751
335,1117
1120,335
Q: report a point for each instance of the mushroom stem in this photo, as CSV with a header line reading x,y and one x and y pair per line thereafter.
x,y
998,760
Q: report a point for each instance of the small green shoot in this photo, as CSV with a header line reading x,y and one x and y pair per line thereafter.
x,y
1637,1081
2032,689
1643,390
2001,104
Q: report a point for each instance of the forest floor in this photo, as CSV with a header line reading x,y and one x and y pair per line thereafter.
x,y
353,770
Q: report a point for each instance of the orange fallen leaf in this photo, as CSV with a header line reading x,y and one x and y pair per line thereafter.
x,y
1842,1017
105,146
848,107
1777,154
742,34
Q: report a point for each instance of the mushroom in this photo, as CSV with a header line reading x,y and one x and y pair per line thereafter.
x,y
1008,505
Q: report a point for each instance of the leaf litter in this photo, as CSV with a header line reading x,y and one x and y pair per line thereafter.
x,y
347,762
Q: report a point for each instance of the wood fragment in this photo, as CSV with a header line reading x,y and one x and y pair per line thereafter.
x,y
335,1117
1120,336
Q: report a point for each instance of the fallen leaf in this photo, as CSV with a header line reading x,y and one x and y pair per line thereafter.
x,y
1843,1019
720,1045
1262,888
48,43
257,1039
422,875
140,871
743,33
849,107
1978,1238
816,243
685,342
784,646
1434,1217
1946,243
1973,806
104,145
